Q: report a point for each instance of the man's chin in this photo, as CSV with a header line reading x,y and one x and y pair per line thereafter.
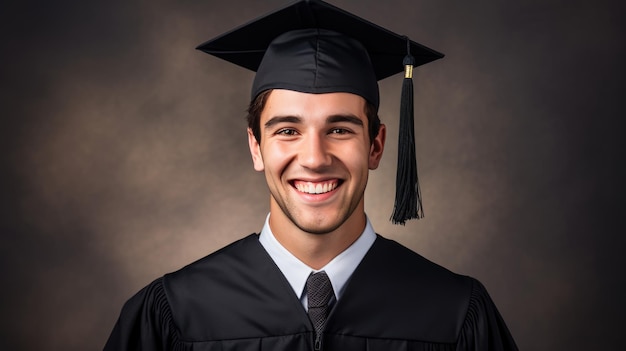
x,y
317,228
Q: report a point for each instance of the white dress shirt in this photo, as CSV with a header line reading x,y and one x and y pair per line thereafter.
x,y
339,269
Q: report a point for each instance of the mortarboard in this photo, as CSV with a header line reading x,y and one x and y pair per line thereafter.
x,y
314,47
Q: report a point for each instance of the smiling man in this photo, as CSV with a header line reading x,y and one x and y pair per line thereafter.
x,y
316,153
317,277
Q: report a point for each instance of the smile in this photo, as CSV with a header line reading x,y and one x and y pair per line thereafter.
x,y
317,187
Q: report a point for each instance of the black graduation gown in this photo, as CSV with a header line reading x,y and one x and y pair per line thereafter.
x,y
237,299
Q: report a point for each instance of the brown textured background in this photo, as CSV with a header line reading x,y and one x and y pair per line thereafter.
x,y
124,157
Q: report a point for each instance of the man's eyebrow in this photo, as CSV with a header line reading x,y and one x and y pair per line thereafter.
x,y
331,119
345,118
282,119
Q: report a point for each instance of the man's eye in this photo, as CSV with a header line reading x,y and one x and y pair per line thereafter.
x,y
339,131
286,131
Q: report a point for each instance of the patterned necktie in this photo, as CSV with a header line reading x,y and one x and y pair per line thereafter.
x,y
319,291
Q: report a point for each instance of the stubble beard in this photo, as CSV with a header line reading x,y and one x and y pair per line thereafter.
x,y
317,230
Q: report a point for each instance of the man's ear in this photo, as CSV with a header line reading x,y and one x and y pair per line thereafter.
x,y
255,151
377,147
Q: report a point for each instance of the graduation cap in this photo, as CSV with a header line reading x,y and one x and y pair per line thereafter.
x,y
313,47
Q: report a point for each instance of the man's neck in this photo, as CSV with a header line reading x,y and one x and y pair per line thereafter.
x,y
316,250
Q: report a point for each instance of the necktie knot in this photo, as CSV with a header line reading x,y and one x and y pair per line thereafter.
x,y
319,289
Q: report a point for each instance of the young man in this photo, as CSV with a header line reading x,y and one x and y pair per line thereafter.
x,y
317,277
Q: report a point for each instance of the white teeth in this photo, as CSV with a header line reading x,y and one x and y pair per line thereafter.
x,y
311,188
318,188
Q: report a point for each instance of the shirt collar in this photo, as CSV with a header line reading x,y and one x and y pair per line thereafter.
x,y
338,269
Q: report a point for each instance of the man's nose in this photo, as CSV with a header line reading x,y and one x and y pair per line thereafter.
x,y
314,153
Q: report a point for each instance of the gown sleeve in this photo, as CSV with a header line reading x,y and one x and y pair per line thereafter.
x,y
145,322
483,328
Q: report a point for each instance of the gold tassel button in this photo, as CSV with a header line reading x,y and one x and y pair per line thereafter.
x,y
408,71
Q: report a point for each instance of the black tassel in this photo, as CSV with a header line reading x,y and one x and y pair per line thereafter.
x,y
408,202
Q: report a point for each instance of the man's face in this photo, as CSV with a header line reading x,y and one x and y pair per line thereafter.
x,y
316,155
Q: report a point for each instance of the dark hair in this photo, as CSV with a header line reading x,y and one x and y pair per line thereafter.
x,y
258,104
